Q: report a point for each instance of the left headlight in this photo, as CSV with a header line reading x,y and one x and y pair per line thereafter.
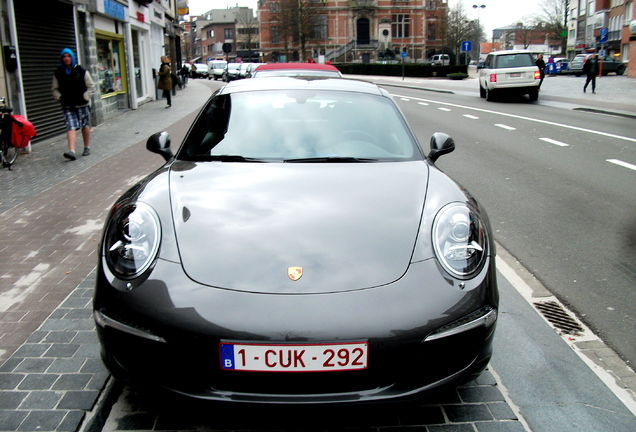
x,y
460,240
131,239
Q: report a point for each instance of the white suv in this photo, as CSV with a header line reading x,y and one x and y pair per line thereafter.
x,y
509,72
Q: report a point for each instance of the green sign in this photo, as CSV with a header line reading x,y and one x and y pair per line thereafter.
x,y
564,33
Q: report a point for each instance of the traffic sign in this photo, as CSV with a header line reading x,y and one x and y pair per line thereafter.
x,y
467,46
403,54
603,38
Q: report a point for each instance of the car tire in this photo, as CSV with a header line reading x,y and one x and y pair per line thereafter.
x,y
490,95
620,70
482,92
533,95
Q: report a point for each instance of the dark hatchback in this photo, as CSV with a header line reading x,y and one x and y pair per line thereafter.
x,y
299,247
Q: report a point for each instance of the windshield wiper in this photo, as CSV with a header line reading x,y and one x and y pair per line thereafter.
x,y
227,158
335,159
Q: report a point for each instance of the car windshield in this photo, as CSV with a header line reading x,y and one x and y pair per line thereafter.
x,y
513,61
299,126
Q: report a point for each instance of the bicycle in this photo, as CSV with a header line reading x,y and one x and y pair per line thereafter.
x,y
8,152
15,134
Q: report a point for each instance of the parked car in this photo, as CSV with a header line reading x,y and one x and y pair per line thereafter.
x,y
216,69
440,59
509,72
576,65
244,70
612,65
201,70
562,65
299,247
608,65
296,69
230,73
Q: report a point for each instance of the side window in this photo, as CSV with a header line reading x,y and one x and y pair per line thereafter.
x,y
489,62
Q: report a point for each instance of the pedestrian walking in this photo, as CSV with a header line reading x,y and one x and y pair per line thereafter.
x,y
73,88
541,65
165,80
591,70
551,66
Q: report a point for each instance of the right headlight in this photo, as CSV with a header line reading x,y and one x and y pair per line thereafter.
x,y
131,239
460,240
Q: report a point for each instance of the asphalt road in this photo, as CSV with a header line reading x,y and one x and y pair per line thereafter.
x,y
557,199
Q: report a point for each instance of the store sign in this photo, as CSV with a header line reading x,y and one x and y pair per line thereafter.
x,y
114,9
141,17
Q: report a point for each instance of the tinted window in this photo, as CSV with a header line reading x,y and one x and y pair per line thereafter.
x,y
282,125
513,61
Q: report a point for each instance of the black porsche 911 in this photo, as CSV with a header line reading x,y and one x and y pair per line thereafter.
x,y
299,247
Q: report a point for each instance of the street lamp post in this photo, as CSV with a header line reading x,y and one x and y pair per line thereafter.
x,y
478,7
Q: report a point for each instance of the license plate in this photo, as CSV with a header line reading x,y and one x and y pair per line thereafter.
x,y
515,75
294,357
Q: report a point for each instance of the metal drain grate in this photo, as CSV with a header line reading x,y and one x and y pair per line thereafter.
x,y
559,318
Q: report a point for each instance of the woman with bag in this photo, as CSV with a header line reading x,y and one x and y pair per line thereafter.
x,y
165,80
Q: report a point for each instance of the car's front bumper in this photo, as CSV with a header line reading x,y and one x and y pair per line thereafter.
x,y
167,332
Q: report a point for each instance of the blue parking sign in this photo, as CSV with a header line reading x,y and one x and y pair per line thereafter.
x,y
467,46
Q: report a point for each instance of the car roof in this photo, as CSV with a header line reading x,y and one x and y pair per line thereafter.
x,y
510,52
312,66
303,83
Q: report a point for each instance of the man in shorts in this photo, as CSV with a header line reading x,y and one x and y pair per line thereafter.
x,y
73,88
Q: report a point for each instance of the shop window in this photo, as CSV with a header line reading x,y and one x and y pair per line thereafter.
x,y
110,66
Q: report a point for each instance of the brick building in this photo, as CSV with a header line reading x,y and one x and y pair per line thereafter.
x,y
354,30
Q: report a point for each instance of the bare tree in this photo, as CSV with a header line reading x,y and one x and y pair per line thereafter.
x,y
554,16
295,19
246,21
459,28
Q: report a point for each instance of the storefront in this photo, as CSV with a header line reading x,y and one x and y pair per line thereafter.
x,y
111,80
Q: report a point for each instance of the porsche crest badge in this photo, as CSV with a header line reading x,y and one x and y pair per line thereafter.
x,y
295,273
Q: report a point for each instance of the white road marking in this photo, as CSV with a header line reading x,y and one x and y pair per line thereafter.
x,y
423,103
405,99
623,164
444,109
503,126
472,117
555,142
528,119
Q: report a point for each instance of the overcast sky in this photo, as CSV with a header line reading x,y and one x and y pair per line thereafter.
x,y
497,13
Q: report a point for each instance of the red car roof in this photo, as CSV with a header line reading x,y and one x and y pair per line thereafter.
x,y
278,66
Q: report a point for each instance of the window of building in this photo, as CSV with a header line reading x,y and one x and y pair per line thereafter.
x,y
211,33
590,8
275,35
110,76
629,12
431,32
318,29
228,33
400,25
431,5
274,7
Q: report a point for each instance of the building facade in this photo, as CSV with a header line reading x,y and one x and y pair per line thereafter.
x,y
351,30
119,42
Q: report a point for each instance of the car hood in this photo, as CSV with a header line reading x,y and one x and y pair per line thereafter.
x,y
349,226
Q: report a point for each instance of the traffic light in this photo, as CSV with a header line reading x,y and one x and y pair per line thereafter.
x,y
403,48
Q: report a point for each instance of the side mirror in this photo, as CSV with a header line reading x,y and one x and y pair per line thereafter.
x,y
160,143
441,144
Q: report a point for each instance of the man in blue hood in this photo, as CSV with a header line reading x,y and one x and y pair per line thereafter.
x,y
73,88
